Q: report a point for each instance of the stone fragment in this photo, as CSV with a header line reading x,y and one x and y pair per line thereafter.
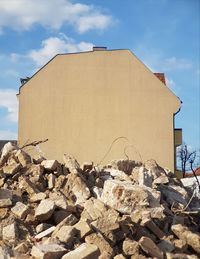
x,y
8,147
119,256
51,181
180,256
42,227
50,164
5,198
45,233
183,233
150,247
83,228
22,248
59,199
36,197
153,227
66,234
11,169
84,251
20,210
4,254
98,240
23,157
71,163
105,255
10,232
130,247
95,208
166,246
78,187
44,210
117,174
126,197
97,192
48,251
27,185
180,245
68,221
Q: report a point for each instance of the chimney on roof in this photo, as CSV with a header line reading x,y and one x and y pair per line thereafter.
x,y
161,76
99,48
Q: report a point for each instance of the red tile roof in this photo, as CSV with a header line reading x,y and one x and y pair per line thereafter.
x,y
190,174
161,76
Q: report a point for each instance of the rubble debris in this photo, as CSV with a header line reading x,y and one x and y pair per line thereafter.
x,y
125,209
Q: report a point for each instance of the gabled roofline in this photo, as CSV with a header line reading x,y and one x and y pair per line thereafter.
x,y
62,54
83,52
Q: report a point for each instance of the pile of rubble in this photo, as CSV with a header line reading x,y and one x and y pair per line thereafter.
x,y
123,210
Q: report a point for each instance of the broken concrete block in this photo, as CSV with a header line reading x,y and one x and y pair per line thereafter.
x,y
11,169
180,245
20,210
4,254
144,177
8,147
150,248
27,185
45,210
45,233
153,227
119,256
183,233
66,234
50,164
59,199
166,246
36,197
83,228
126,197
84,251
78,187
23,157
22,248
180,256
87,166
95,208
5,198
117,174
71,163
48,251
10,232
68,221
51,181
98,240
130,247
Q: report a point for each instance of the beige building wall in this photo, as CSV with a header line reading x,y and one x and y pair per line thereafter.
x,y
82,102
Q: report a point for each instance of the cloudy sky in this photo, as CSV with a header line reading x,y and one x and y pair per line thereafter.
x,y
164,34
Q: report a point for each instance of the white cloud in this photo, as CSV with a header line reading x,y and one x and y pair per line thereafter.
x,y
174,63
23,14
8,101
8,135
54,45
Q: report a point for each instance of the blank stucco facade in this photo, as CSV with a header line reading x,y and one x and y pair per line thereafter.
x,y
82,102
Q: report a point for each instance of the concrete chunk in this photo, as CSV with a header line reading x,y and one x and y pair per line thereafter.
x,y
150,247
66,234
44,210
5,198
50,164
183,233
84,251
10,232
20,210
48,251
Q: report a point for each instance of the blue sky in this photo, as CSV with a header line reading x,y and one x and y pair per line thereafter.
x,y
164,34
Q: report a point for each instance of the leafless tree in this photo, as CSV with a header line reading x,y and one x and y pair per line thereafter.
x,y
186,158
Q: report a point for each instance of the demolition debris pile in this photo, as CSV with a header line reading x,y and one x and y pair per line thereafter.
x,y
123,210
